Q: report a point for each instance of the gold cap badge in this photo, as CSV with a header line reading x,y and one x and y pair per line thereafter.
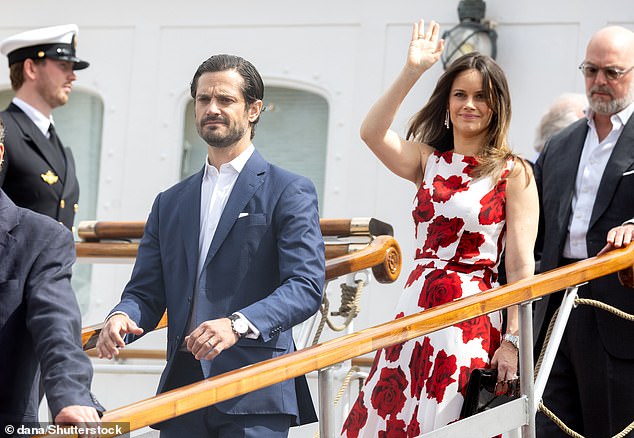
x,y
49,177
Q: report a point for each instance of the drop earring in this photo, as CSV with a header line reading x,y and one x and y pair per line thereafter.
x,y
447,119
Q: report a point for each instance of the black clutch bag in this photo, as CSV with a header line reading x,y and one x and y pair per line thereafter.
x,y
484,392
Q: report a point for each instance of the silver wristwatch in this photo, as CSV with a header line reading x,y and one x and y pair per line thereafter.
x,y
512,339
239,325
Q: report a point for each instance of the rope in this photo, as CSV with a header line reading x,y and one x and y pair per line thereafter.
x,y
603,306
344,384
349,308
541,407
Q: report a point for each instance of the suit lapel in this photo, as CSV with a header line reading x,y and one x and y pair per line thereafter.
x,y
189,219
34,137
250,178
8,221
620,160
568,166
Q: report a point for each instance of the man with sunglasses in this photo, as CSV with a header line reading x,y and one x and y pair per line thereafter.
x,y
585,178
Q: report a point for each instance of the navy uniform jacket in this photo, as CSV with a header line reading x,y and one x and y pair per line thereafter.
x,y
40,322
555,174
32,175
266,260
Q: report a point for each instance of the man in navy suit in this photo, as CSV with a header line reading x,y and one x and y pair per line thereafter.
x,y
40,323
236,256
585,178
39,172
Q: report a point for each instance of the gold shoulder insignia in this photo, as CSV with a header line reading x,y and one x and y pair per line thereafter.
x,y
49,177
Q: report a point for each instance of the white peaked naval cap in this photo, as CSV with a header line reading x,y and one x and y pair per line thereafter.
x,y
55,42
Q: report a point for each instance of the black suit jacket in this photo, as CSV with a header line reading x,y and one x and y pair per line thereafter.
x,y
30,167
40,323
555,173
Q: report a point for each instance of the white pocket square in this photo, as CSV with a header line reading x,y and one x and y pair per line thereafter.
x,y
242,215
629,172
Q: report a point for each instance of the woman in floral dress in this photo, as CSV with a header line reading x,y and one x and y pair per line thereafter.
x,y
474,197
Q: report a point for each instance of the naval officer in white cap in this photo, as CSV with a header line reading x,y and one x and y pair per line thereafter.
x,y
38,171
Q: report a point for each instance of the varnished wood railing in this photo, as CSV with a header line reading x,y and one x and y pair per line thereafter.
x,y
382,255
256,376
119,240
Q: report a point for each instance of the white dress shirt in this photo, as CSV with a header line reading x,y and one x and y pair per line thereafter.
x,y
214,192
40,120
594,158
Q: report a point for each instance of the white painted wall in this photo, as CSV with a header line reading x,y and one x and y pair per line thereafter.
x,y
143,54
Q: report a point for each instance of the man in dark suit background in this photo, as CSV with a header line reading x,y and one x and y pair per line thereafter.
x,y
236,256
40,323
39,171
585,177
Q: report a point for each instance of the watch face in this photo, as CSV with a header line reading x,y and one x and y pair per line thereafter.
x,y
240,326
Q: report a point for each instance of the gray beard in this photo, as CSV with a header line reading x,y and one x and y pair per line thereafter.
x,y
613,106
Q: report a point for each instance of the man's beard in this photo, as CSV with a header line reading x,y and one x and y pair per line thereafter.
x,y
612,106
216,139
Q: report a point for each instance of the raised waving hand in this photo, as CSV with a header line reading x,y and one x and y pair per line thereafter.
x,y
425,47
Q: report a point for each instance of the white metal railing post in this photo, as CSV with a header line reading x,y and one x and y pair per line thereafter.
x,y
327,379
557,333
527,383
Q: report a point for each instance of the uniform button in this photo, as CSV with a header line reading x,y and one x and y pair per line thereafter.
x,y
75,208
72,229
62,204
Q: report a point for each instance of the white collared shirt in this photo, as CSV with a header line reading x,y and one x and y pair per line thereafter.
x,y
594,158
41,121
214,192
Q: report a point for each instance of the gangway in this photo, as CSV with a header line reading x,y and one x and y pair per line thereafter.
x,y
519,413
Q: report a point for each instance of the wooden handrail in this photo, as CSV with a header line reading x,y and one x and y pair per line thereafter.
x,y
101,240
111,250
92,231
226,386
383,255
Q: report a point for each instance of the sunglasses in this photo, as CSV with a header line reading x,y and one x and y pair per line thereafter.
x,y
611,73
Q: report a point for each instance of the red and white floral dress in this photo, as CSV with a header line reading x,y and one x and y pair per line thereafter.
x,y
419,386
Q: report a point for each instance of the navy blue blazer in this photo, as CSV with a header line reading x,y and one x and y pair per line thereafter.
x,y
28,159
40,322
555,174
266,260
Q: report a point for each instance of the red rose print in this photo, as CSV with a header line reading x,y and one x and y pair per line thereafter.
x,y
388,396
446,188
440,287
394,428
393,353
469,245
471,162
443,232
465,373
414,275
495,339
420,366
444,367
356,418
492,211
375,362
447,156
484,282
413,428
424,210
478,327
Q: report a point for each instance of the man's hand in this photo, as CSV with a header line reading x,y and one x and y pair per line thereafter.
x,y
81,416
111,336
210,338
618,237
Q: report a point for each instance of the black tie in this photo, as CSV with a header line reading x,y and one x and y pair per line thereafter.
x,y
55,141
